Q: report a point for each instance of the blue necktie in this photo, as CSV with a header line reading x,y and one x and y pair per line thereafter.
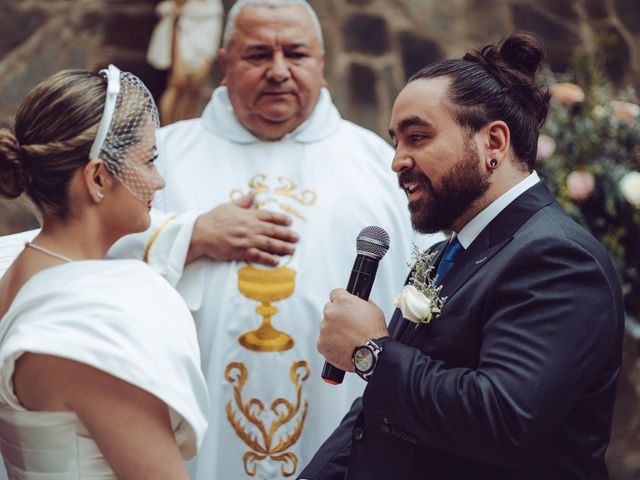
x,y
448,259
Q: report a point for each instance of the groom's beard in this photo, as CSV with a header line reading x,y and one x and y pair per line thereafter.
x,y
438,209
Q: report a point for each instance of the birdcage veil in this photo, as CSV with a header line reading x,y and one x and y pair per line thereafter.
x,y
126,136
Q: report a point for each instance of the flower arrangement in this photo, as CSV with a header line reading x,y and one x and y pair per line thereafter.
x,y
420,301
589,155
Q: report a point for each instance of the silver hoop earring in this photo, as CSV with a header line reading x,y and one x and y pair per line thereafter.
x,y
100,195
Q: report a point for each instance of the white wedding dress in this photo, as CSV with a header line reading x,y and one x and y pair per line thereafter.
x,y
114,315
51,445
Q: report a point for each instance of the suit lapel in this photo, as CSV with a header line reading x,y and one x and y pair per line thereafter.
x,y
491,240
469,262
397,324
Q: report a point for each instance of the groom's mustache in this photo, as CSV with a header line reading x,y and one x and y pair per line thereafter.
x,y
412,177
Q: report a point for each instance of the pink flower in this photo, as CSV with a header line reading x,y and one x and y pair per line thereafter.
x,y
546,147
567,94
626,112
580,185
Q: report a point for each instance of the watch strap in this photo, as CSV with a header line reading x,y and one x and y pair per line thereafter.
x,y
375,346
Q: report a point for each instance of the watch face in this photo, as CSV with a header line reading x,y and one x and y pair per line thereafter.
x,y
363,359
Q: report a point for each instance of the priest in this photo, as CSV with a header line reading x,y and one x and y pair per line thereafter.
x,y
265,196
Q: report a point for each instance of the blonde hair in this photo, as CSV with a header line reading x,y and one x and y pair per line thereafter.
x,y
51,137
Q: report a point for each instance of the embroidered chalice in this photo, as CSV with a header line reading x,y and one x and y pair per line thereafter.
x,y
266,286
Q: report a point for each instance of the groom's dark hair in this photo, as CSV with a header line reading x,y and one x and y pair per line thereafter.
x,y
499,83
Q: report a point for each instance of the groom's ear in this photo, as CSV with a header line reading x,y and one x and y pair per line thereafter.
x,y
496,143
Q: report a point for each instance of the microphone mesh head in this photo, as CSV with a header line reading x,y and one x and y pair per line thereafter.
x,y
372,241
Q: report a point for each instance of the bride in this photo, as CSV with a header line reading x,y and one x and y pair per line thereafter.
x,y
99,363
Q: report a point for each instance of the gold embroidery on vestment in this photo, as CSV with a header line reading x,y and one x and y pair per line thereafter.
x,y
147,249
288,188
265,285
265,445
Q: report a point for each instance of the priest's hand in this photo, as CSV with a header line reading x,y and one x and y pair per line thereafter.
x,y
235,231
348,322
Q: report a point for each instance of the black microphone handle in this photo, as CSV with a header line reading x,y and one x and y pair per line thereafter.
x,y
360,283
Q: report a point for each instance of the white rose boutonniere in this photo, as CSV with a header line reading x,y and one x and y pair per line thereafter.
x,y
419,301
414,305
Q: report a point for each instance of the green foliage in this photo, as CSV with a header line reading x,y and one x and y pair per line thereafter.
x,y
599,138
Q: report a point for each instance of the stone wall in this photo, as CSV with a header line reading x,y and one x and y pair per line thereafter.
x,y
372,47
38,38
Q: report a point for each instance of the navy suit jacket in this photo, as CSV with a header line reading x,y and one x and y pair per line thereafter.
x,y
515,380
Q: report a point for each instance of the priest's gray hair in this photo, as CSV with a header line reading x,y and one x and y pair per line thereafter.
x,y
230,27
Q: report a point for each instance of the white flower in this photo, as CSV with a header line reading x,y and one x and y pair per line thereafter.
x,y
630,188
414,305
420,301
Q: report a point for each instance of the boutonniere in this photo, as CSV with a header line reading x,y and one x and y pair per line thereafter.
x,y
419,301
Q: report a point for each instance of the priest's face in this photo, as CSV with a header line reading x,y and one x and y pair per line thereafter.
x,y
273,69
437,162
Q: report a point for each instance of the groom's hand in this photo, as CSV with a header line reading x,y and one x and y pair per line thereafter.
x,y
348,322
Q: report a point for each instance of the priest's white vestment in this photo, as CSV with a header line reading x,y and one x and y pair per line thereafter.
x,y
270,410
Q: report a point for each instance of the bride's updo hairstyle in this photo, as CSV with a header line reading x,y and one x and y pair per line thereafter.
x,y
52,134
499,83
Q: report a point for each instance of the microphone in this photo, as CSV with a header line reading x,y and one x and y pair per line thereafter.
x,y
371,245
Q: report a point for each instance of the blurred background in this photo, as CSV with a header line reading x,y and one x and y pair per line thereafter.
x,y
590,152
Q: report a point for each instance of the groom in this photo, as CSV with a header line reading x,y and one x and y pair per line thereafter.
x,y
515,377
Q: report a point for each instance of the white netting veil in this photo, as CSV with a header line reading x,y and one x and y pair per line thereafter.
x,y
126,136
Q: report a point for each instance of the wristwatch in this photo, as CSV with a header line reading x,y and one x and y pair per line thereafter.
x,y
365,357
